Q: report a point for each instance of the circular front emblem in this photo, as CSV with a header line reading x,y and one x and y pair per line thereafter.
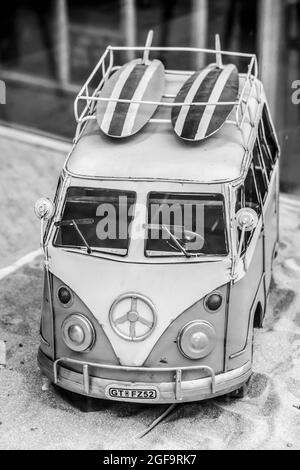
x,y
133,317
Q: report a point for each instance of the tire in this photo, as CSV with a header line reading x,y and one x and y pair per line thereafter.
x,y
80,402
240,392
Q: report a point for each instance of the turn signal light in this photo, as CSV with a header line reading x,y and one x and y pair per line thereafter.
x,y
64,296
213,302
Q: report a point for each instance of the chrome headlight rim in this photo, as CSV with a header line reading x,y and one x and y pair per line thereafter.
x,y
215,292
77,319
206,329
71,301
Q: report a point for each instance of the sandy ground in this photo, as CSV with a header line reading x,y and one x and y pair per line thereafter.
x,y
31,418
27,173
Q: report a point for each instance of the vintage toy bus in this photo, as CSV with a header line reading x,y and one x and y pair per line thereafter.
x,y
158,246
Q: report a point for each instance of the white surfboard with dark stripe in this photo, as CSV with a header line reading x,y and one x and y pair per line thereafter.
x,y
135,81
210,85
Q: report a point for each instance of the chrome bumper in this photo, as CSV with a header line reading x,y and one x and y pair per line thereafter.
x,y
168,392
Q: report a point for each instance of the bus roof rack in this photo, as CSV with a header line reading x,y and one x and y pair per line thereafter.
x,y
86,101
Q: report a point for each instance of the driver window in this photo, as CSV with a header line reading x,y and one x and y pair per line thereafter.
x,y
260,173
264,151
240,204
251,200
58,188
240,199
269,134
251,194
55,202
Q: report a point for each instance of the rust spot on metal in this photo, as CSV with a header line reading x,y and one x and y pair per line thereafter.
x,y
163,360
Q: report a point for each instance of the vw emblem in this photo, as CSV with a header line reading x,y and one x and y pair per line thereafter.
x,y
133,317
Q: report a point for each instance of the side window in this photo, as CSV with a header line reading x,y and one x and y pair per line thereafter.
x,y
239,204
240,200
251,195
260,173
55,200
269,135
248,197
58,188
264,151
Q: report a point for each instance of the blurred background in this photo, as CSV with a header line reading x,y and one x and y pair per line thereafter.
x,y
47,50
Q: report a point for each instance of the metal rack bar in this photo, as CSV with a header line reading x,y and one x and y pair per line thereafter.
x,y
106,66
180,49
166,104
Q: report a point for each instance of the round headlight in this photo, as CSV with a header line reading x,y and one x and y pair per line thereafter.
x,y
64,296
78,333
213,302
197,339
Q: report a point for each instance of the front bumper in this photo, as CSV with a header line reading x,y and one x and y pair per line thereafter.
x,y
168,392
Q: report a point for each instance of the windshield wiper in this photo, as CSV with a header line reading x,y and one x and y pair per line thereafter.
x,y
173,238
73,223
176,241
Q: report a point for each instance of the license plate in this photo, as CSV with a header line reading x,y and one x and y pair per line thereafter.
x,y
118,392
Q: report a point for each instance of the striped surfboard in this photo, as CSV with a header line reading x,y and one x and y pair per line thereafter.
x,y
212,84
137,81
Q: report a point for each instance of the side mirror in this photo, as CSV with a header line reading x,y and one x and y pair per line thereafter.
x,y
246,220
44,208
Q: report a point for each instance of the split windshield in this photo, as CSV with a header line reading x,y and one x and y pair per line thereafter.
x,y
185,225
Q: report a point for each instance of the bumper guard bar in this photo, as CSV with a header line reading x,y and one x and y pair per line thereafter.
x,y
178,373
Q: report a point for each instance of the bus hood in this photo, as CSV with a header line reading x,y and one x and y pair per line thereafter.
x,y
172,288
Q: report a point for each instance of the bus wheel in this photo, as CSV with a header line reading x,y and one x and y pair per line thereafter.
x,y
240,392
80,402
